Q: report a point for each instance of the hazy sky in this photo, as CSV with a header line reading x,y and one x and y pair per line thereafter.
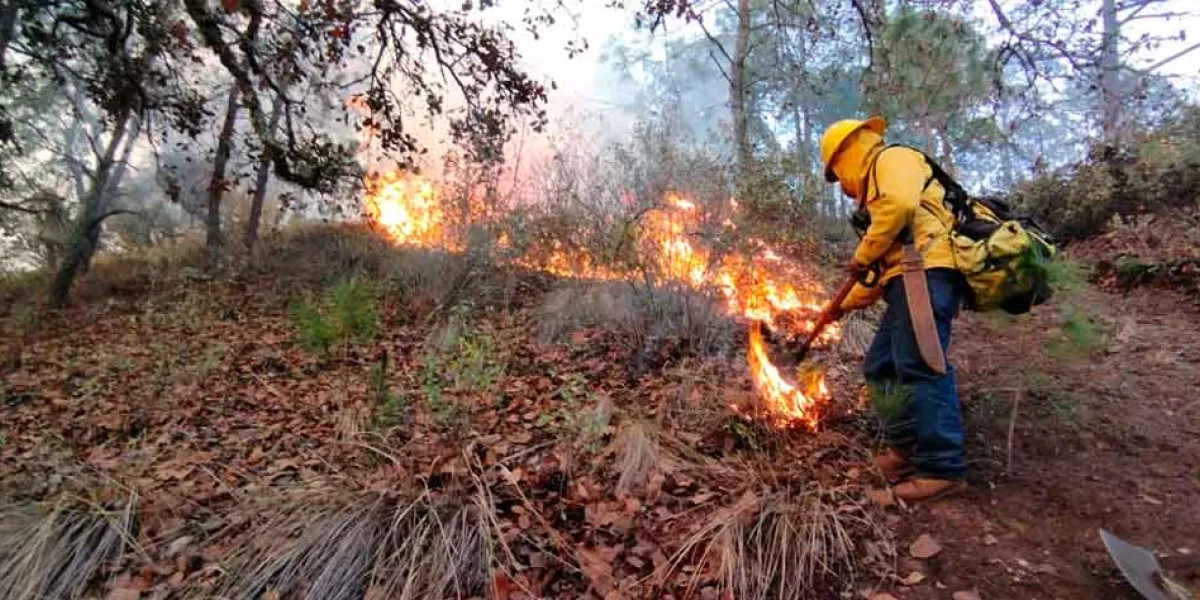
x,y
581,81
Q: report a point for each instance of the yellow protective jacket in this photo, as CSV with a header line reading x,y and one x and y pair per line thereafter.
x,y
898,190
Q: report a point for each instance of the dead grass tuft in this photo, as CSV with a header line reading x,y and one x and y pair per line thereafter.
x,y
59,552
322,252
858,329
788,543
364,545
644,317
638,454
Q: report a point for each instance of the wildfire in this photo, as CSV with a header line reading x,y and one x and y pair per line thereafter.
x,y
786,404
407,208
761,290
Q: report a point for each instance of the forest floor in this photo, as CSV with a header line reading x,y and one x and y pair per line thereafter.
x,y
190,402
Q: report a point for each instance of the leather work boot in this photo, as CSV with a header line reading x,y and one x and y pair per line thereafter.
x,y
894,465
923,488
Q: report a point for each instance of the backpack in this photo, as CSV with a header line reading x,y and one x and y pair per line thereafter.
x,y
1004,256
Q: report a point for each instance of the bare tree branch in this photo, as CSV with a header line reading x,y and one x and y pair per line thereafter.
x,y
867,32
18,208
720,68
716,42
1174,57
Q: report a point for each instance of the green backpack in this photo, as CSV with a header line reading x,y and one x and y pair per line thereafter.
x,y
1004,256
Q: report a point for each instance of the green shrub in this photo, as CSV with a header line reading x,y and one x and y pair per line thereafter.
x,y
463,360
1079,335
314,332
346,313
391,407
1067,277
1154,171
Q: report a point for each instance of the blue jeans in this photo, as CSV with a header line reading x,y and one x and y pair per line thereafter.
x,y
919,407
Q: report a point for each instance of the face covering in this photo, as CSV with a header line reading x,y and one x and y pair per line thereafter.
x,y
851,163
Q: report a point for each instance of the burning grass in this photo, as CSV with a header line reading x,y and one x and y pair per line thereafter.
x,y
59,551
673,254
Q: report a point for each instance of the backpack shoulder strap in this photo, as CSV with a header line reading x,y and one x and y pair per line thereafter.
x,y
871,172
955,195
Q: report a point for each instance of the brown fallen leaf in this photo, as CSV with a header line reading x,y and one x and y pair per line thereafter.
x,y
924,547
123,594
503,587
913,578
990,540
884,596
597,566
966,595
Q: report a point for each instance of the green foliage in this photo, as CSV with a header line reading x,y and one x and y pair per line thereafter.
x,y
431,387
744,434
355,312
571,409
465,361
1131,270
315,333
346,313
939,72
392,407
1156,170
889,398
1078,335
1067,277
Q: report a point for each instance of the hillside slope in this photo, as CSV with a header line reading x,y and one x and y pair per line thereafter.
x,y
563,454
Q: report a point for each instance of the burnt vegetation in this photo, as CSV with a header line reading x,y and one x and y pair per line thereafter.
x,y
290,308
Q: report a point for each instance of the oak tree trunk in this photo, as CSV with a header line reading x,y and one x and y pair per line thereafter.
x,y
260,186
216,187
84,237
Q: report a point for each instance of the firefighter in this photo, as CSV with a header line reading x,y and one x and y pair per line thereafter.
x,y
904,256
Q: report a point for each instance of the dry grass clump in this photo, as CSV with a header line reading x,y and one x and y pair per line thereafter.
x,y
788,543
363,545
320,252
59,552
425,281
858,329
643,316
638,454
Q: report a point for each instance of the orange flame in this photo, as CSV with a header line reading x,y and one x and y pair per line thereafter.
x,y
406,207
761,291
785,404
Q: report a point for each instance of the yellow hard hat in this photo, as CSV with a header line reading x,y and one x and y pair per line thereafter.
x,y
835,138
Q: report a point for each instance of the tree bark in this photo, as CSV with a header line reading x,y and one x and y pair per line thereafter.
x,y
1110,84
947,160
8,25
85,232
216,187
738,87
260,186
